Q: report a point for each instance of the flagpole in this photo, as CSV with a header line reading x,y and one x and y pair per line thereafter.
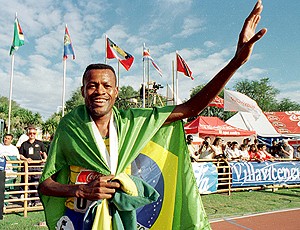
x,y
176,80
105,49
144,76
173,83
10,91
118,74
64,87
148,78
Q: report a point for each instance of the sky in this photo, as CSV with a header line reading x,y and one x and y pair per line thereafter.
x,y
204,32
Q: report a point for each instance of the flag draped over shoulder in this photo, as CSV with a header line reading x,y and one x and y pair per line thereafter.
x,y
155,153
236,101
68,47
183,67
146,55
114,51
18,39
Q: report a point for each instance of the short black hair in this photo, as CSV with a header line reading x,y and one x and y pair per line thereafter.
x,y
97,66
10,135
189,137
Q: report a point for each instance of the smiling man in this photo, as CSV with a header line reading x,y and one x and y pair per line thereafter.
x,y
95,142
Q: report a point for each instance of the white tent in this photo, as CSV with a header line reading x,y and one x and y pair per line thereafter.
x,y
262,126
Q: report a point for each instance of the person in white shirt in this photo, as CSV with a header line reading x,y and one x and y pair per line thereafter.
x,y
287,150
9,152
205,151
233,153
244,153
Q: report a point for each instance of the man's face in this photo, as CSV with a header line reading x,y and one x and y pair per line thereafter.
x,y
31,134
7,140
100,92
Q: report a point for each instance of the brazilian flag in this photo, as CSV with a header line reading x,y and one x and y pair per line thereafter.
x,y
148,149
165,164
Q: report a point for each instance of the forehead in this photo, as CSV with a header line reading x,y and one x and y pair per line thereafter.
x,y
98,75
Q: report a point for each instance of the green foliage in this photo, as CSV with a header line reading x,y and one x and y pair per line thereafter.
x,y
287,105
260,91
75,100
128,98
20,117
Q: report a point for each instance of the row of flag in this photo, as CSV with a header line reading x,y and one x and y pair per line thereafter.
x,y
112,51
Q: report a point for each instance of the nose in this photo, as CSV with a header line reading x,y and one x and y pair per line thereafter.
x,y
100,89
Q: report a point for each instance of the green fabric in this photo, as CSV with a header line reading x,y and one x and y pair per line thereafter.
x,y
74,144
123,206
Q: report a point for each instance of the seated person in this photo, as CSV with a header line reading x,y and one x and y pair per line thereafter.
x,y
252,151
274,149
297,153
192,148
205,151
233,153
286,150
217,148
244,155
262,154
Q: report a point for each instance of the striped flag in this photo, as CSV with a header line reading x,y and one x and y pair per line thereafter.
x,y
183,67
146,55
68,47
18,39
114,51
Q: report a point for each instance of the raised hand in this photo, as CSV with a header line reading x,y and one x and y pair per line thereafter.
x,y
248,37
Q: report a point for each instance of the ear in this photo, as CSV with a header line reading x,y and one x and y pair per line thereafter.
x,y
82,90
117,91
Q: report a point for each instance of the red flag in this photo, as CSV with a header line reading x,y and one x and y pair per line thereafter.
x,y
183,67
114,51
217,102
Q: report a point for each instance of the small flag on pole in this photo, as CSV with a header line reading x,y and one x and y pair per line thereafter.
x,y
114,51
68,47
146,55
18,39
183,67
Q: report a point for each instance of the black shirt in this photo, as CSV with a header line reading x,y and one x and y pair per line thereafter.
x,y
33,150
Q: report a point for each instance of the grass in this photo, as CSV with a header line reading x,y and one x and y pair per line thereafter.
x,y
216,206
244,203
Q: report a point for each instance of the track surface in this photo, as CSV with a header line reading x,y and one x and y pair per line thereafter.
x,y
279,220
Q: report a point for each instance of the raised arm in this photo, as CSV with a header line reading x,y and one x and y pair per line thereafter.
x,y
247,39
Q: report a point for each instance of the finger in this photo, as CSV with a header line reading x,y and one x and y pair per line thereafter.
x,y
258,36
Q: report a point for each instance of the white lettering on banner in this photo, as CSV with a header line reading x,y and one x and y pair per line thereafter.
x,y
246,172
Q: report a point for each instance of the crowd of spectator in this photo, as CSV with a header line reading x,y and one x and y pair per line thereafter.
x,y
245,151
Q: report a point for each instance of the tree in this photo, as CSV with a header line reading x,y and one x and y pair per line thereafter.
x,y
20,118
128,98
75,100
260,91
287,105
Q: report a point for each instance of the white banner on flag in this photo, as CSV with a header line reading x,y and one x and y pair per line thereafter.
x,y
236,101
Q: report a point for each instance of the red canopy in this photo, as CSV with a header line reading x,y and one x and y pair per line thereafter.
x,y
285,122
214,126
217,102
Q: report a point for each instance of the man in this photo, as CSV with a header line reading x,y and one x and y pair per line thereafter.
x,y
192,148
10,153
205,151
287,151
100,121
30,151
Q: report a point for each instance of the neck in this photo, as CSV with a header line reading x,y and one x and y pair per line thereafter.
x,y
102,124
